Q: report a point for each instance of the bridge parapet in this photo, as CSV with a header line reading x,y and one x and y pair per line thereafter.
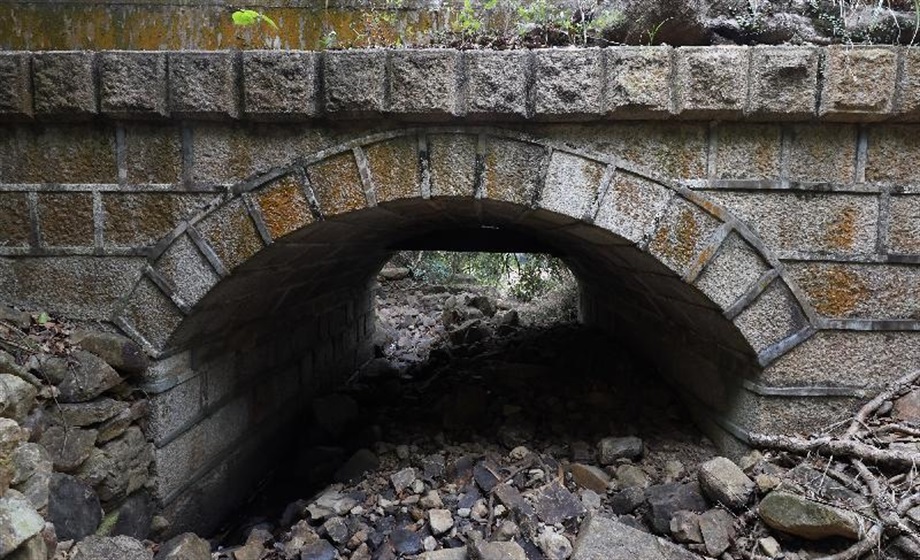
x,y
768,83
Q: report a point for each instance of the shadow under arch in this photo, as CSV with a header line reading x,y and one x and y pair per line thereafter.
x,y
275,274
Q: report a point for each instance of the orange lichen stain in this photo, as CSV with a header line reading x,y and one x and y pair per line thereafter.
x,y
394,168
284,207
678,245
835,290
842,232
337,184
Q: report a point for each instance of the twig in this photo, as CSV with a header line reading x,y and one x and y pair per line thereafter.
x,y
899,385
833,446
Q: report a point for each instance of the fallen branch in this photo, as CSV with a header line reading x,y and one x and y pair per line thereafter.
x,y
838,447
870,541
870,407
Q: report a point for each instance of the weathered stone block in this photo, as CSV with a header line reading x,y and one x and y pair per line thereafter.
x,y
66,219
893,154
43,283
675,150
231,233
859,82
841,224
683,232
732,272
425,83
15,228
823,153
280,84
187,270
394,168
908,94
284,206
133,84
65,84
152,154
638,82
15,85
771,318
141,219
711,81
337,184
631,206
904,225
863,291
81,154
784,82
572,185
150,313
497,82
453,164
748,151
355,82
203,84
568,84
174,410
512,171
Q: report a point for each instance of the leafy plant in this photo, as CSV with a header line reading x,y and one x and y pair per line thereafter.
x,y
245,18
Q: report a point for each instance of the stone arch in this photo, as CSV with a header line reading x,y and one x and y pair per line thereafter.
x,y
486,174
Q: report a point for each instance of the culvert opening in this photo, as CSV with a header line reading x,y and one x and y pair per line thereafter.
x,y
486,393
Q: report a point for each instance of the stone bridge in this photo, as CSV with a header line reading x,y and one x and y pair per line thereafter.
x,y
748,217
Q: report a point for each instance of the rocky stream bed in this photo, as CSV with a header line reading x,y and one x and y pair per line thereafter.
x,y
482,432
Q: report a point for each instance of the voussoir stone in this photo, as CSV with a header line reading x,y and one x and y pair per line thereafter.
x,y
724,482
109,548
804,518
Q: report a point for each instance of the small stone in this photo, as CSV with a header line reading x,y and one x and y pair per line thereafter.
x,y
554,504
766,482
318,550
430,543
402,479
486,475
626,500
93,412
446,554
479,511
406,541
402,451
463,512
187,546
555,546
590,477
667,499
716,527
600,538
95,547
685,527
18,521
337,529
68,447
91,377
431,500
674,471
907,407
807,519
591,500
498,551
612,448
115,427
631,476
440,521
724,482
433,466
770,547
518,453
507,531
73,507
417,486
362,552
249,551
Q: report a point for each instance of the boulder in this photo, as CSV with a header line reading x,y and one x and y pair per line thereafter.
x,y
27,459
496,551
19,521
667,499
118,351
84,381
33,549
109,548
446,554
120,467
17,397
88,413
804,518
601,538
187,546
725,483
134,517
73,507
717,530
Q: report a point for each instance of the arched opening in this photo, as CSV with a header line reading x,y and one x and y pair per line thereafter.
x,y
264,300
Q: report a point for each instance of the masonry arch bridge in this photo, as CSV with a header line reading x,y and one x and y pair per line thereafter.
x,y
766,261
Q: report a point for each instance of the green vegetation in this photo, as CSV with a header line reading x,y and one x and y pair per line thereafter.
x,y
523,276
245,18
